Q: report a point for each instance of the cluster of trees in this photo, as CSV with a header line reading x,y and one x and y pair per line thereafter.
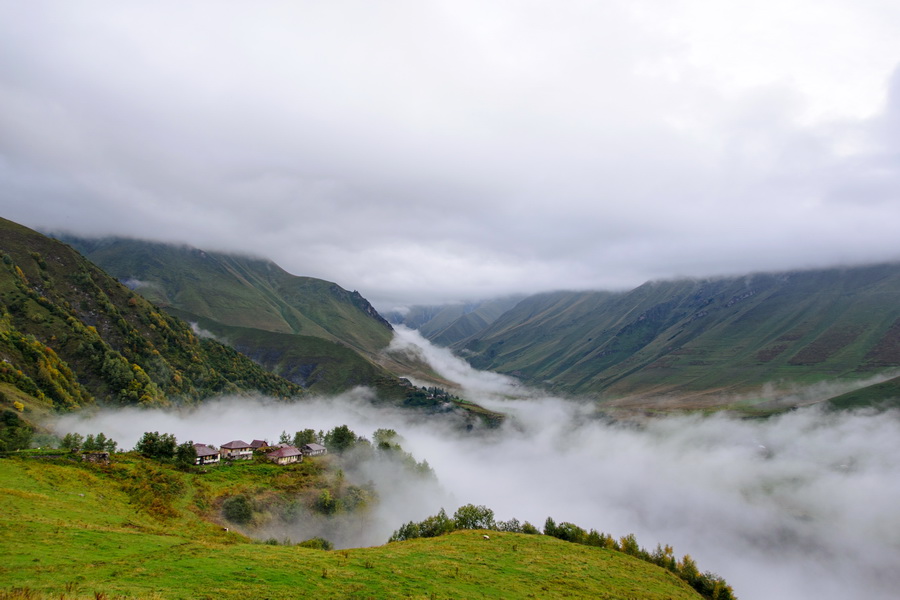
x,y
709,585
91,443
427,396
337,440
166,448
15,434
465,517
342,439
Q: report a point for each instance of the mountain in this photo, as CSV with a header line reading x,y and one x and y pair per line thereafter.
x,y
310,331
698,337
71,336
240,291
449,323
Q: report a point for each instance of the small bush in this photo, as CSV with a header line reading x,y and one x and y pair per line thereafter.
x,y
316,543
237,509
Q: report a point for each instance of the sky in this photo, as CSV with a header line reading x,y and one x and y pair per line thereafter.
x,y
425,151
802,505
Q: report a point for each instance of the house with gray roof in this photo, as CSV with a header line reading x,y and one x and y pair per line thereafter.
x,y
312,449
236,450
286,455
206,455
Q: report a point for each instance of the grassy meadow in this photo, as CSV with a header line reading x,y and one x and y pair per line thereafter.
x,y
134,529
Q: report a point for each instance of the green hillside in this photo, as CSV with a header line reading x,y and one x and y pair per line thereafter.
x,y
682,338
310,331
57,544
884,395
314,363
70,336
240,291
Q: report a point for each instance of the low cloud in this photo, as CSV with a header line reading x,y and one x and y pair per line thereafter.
x,y
203,333
799,505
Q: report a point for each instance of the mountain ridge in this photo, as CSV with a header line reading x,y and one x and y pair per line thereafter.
x,y
71,336
681,336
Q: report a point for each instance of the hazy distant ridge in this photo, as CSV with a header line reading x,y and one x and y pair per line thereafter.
x,y
693,335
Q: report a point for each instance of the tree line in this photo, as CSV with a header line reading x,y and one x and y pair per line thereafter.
x,y
707,584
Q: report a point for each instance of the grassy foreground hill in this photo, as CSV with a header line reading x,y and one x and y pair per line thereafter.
x,y
78,530
691,338
71,335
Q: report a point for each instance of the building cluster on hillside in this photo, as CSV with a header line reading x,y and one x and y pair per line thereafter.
x,y
282,454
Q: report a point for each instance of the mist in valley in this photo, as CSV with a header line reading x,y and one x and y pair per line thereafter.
x,y
799,505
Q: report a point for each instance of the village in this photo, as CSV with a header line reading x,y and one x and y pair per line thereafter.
x,y
281,454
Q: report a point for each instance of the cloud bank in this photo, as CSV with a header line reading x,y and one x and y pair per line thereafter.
x,y
800,505
429,151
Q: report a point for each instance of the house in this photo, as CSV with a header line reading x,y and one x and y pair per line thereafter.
x,y
206,455
259,445
313,449
286,455
236,450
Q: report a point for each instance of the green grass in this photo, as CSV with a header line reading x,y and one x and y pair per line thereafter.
x,y
70,530
881,395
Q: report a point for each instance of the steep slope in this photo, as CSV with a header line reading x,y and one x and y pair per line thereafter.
x,y
240,291
312,362
71,335
312,332
683,337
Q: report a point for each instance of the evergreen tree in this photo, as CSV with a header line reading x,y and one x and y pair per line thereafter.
x,y
72,441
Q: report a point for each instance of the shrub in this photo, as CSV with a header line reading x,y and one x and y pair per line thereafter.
x,y
237,509
316,543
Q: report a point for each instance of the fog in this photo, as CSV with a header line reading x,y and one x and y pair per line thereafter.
x,y
800,505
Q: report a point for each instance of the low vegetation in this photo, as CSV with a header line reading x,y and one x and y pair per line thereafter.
x,y
137,528
709,585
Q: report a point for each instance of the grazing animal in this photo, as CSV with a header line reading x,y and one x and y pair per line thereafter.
x,y
486,536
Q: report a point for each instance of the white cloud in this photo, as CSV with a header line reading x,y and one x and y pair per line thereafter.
x,y
800,505
429,151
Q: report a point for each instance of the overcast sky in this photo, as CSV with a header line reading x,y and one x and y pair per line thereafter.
x,y
423,151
